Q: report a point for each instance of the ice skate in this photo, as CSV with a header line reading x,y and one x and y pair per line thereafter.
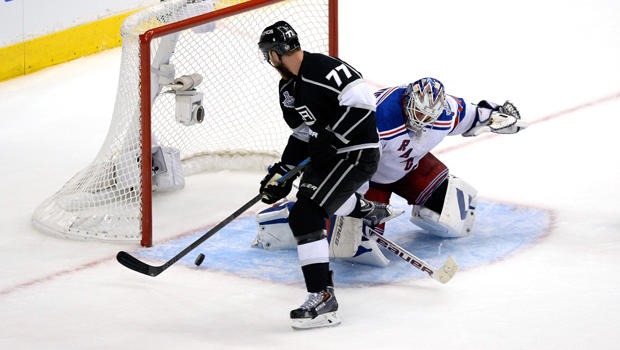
x,y
319,310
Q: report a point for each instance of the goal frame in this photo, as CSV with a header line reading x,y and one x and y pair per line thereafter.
x,y
145,89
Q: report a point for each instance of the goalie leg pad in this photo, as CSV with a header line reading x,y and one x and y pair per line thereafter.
x,y
457,216
345,236
346,241
369,253
274,231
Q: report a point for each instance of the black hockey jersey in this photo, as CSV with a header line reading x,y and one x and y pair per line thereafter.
x,y
329,94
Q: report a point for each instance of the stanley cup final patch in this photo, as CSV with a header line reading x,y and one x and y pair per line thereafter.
x,y
289,101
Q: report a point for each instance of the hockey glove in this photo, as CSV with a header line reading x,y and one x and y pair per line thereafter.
x,y
504,119
507,120
321,146
271,189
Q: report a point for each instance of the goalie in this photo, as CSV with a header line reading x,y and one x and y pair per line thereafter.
x,y
411,120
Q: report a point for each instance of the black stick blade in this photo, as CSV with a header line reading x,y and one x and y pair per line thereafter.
x,y
134,264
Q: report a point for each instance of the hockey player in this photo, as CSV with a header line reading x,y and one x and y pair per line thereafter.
x,y
412,120
331,111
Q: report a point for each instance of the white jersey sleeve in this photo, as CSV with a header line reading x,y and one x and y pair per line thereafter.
x,y
463,114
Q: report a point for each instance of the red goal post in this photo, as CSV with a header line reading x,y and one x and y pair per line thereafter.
x,y
145,104
112,198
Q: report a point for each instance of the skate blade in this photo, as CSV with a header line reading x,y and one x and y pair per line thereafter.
x,y
329,319
395,213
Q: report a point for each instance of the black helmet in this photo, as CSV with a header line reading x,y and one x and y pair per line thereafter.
x,y
279,37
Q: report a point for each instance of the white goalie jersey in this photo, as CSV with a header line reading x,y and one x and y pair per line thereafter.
x,y
402,149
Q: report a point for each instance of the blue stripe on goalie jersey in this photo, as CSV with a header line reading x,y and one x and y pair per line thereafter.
x,y
450,116
460,113
395,135
390,112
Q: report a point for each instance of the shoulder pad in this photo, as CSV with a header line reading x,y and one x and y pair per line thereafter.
x,y
328,72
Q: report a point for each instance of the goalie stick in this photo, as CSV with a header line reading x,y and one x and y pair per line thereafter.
x,y
442,274
132,263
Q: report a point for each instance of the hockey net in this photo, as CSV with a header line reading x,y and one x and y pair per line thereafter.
x,y
242,129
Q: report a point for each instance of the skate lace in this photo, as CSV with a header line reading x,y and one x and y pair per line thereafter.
x,y
312,300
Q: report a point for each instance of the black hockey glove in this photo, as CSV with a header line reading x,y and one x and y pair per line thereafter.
x,y
321,146
273,191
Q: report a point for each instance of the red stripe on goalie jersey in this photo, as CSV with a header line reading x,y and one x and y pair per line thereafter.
x,y
459,113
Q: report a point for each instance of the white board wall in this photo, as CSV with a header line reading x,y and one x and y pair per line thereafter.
x,y
23,20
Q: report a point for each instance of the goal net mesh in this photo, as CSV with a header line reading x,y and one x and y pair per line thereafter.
x,y
242,127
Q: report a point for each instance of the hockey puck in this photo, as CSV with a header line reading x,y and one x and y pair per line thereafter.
x,y
199,259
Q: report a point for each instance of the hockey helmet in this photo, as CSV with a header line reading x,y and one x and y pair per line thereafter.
x,y
424,101
279,37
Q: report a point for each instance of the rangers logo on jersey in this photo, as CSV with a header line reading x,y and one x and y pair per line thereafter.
x,y
306,114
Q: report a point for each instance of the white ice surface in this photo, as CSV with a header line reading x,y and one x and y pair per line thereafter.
x,y
561,293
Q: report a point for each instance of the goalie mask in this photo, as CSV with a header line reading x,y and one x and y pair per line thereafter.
x,y
279,37
424,101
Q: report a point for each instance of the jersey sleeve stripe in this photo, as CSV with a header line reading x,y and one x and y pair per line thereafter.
x,y
286,84
319,84
393,131
393,136
357,147
381,98
456,122
341,118
431,187
439,127
356,124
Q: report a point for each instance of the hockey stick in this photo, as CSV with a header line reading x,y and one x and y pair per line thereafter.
x,y
132,263
442,274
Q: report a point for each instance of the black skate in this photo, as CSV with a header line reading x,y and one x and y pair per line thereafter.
x,y
319,310
379,213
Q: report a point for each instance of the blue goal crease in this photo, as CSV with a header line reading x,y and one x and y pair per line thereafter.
x,y
500,230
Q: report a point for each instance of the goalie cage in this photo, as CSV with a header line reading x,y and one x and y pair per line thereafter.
x,y
242,129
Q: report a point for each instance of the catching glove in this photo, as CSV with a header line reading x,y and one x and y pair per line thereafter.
x,y
271,189
504,119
